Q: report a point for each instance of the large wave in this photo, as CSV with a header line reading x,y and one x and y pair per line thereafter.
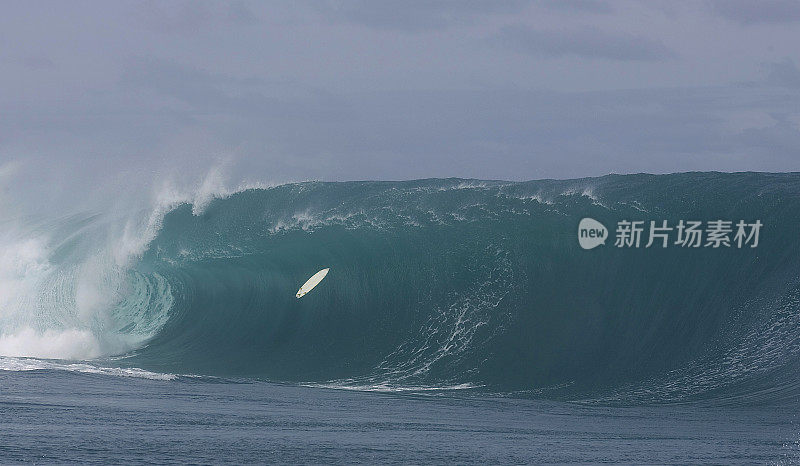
x,y
433,283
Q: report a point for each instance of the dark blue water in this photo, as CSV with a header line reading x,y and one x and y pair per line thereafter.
x,y
63,417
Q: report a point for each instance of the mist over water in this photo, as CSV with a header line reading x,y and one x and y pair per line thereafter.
x,y
66,252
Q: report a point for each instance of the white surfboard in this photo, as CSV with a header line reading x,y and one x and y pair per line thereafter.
x,y
311,283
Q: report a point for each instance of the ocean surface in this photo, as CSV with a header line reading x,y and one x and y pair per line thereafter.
x,y
460,322
67,417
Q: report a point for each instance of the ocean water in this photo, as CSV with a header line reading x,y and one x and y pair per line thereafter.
x,y
69,417
460,322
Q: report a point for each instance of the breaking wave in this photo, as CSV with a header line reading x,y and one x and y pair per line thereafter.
x,y
441,283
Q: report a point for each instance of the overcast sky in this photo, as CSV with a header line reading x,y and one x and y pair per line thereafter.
x,y
396,90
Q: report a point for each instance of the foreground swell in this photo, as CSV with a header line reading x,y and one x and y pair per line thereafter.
x,y
453,283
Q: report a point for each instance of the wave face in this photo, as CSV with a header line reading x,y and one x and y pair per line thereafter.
x,y
464,283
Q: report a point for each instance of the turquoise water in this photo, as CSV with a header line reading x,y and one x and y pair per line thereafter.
x,y
454,282
460,321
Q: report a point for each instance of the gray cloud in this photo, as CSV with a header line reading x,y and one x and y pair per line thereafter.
x,y
762,11
588,6
330,91
33,62
302,133
191,17
784,73
415,15
587,43
780,140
